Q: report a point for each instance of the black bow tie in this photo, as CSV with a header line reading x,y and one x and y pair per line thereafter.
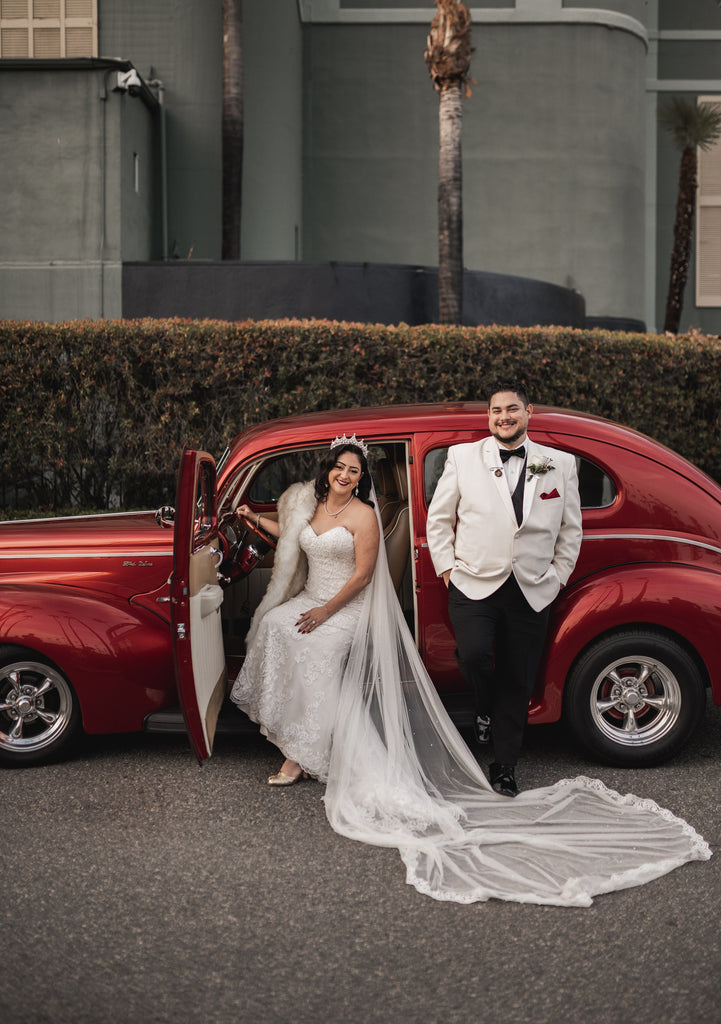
x,y
506,453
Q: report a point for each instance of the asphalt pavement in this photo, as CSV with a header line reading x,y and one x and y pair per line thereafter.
x,y
138,887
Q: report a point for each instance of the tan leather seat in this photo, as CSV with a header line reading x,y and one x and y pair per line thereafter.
x,y
397,533
386,492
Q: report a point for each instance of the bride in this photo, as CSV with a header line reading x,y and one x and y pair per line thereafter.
x,y
290,680
334,679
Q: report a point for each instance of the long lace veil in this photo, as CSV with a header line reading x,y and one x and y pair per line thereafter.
x,y
401,775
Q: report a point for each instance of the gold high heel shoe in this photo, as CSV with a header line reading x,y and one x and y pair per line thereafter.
x,y
281,779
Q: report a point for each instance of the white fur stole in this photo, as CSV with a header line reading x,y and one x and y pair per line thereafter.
x,y
296,506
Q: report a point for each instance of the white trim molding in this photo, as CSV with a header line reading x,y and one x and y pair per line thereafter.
x,y
683,85
699,36
525,12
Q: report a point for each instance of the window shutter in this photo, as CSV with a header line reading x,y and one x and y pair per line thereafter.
x,y
13,8
46,8
79,8
48,28
13,42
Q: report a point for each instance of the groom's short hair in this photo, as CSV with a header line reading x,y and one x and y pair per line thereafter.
x,y
515,386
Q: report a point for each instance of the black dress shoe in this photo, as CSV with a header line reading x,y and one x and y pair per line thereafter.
x,y
503,779
482,729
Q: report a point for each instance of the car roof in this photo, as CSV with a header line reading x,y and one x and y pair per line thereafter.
x,y
372,422
382,419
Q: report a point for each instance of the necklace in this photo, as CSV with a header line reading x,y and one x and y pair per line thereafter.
x,y
334,515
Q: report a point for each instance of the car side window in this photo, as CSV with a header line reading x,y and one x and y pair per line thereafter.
x,y
433,465
596,488
277,474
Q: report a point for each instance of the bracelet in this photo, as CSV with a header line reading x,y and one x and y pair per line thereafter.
x,y
257,521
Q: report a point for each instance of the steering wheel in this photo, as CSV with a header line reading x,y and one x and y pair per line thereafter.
x,y
253,545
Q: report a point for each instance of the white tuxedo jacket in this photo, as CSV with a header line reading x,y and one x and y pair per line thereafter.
x,y
472,527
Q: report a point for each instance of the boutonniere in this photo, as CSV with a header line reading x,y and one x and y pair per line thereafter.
x,y
538,465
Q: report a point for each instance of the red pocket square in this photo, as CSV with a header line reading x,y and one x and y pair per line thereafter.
x,y
550,494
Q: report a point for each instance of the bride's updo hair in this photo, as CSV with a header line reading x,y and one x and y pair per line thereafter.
x,y
322,485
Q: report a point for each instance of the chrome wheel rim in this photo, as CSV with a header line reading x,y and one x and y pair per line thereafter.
x,y
36,706
635,701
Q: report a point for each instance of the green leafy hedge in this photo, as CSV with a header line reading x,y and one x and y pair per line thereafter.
x,y
94,414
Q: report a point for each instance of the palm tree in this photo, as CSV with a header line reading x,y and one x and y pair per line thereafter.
x,y
232,127
692,126
448,56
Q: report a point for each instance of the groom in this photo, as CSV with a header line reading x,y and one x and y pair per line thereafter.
x,y
504,532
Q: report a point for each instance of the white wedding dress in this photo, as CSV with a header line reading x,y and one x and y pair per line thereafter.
x,y
290,681
353,704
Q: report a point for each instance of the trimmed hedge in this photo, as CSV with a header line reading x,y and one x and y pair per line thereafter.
x,y
94,414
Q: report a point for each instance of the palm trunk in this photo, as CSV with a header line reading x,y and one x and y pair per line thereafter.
x,y
448,56
450,205
682,235
232,127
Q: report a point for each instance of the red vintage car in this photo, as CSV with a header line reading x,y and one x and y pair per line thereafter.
x,y
136,621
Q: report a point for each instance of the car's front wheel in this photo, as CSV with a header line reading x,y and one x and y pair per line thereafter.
x,y
39,712
634,698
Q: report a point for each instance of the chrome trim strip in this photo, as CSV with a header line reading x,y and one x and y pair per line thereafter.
x,y
643,536
671,538
90,515
88,554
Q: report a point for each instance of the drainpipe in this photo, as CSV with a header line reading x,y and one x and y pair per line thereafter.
x,y
104,185
156,83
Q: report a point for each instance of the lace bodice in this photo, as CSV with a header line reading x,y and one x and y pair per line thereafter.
x,y
331,562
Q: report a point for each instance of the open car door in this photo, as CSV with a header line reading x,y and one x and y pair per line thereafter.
x,y
195,600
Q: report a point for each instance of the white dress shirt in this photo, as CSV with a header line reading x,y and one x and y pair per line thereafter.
x,y
513,467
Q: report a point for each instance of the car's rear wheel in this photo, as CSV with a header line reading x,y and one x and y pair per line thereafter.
x,y
634,698
39,712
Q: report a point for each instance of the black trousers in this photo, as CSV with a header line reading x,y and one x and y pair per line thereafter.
x,y
499,646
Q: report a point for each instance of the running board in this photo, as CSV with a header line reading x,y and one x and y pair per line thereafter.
x,y
231,721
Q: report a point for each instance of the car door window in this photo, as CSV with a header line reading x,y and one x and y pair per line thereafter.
x,y
277,474
204,504
596,488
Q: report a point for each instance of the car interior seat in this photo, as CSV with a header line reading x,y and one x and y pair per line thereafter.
x,y
396,526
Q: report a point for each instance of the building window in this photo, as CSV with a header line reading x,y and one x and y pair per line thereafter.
x,y
48,28
708,221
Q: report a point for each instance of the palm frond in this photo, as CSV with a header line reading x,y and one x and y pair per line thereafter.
x,y
691,124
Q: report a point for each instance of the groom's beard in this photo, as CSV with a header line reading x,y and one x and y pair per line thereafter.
x,y
520,433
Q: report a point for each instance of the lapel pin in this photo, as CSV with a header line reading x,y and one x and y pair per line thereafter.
x,y
498,472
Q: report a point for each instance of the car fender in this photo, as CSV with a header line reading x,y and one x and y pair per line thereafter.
x,y
117,657
682,600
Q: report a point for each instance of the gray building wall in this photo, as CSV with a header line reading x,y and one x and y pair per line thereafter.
x,y
568,178
179,42
80,178
555,160
685,59
70,211
273,82
553,142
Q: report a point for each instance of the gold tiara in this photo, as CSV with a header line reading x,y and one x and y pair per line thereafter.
x,y
350,440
